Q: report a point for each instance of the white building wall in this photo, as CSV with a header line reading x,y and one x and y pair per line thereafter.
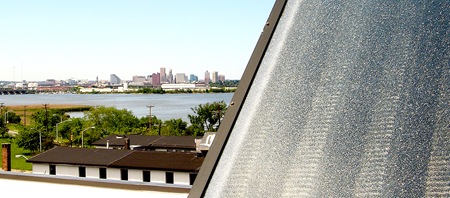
x,y
26,188
40,168
135,175
181,178
178,86
158,176
66,170
113,173
92,172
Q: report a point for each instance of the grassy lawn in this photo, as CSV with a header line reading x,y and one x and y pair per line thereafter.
x,y
16,163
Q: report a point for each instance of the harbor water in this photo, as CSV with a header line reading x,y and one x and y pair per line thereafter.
x,y
165,106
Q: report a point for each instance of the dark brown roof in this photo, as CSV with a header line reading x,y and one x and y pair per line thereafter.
x,y
133,159
185,142
79,156
118,140
177,142
160,161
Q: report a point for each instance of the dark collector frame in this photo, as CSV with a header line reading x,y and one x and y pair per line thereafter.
x,y
211,160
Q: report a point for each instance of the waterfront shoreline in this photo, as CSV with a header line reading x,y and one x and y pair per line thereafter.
x,y
51,106
166,106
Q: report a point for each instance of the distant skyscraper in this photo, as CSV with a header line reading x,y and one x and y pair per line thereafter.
x,y
50,82
74,82
222,78
170,77
215,77
207,77
180,78
162,75
149,78
114,79
193,78
156,79
139,79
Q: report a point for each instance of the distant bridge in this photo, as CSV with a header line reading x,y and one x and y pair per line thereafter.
x,y
12,92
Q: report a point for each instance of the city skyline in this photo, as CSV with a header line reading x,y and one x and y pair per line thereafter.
x,y
131,79
168,77
85,39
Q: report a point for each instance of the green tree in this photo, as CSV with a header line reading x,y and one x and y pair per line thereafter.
x,y
12,118
226,83
47,119
3,128
29,139
148,90
75,89
9,117
70,130
206,118
144,124
174,127
110,120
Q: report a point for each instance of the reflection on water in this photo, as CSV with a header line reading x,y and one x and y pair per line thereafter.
x,y
77,114
166,106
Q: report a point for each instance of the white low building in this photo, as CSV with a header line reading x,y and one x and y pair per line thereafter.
x,y
182,86
102,90
172,168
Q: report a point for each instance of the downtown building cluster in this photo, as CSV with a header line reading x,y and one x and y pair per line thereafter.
x,y
162,79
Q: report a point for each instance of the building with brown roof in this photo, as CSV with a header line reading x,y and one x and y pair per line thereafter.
x,y
149,143
129,165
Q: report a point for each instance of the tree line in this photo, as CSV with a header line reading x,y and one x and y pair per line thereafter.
x,y
50,127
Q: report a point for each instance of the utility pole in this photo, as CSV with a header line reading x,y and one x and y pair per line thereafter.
x,y
25,115
2,105
219,113
46,118
150,117
159,128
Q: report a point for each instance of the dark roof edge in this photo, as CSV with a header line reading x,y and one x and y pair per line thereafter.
x,y
94,183
210,162
157,169
125,167
173,146
69,164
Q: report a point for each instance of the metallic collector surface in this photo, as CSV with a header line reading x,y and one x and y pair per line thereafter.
x,y
360,107
208,166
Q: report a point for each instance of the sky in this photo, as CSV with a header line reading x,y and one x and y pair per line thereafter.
x,y
86,39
